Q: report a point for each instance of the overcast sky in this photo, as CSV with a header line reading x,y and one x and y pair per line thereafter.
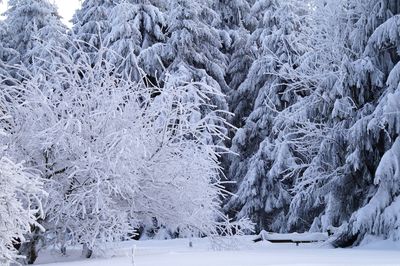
x,y
66,8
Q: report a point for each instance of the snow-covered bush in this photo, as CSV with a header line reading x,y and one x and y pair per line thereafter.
x,y
115,155
19,206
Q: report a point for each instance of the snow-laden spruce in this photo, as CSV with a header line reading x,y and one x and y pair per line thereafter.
x,y
378,153
322,120
33,28
234,14
135,26
91,24
352,80
241,58
262,167
191,53
193,46
8,56
234,26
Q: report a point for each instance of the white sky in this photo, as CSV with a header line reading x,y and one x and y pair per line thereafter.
x,y
66,8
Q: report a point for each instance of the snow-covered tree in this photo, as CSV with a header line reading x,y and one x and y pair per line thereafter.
x,y
193,46
8,56
322,118
20,188
33,28
91,24
241,58
235,25
373,144
235,14
19,191
135,25
191,52
351,70
113,157
263,157
263,44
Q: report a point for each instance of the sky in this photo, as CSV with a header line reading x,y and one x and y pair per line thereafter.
x,y
66,8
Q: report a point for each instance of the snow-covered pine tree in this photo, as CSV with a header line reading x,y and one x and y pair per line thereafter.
x,y
322,118
235,14
135,25
192,49
236,24
91,24
373,138
241,57
243,98
262,159
353,73
33,28
233,27
191,52
8,56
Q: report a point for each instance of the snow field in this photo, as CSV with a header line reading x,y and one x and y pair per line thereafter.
x,y
178,253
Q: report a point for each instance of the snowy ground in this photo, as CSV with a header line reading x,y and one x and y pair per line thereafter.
x,y
178,253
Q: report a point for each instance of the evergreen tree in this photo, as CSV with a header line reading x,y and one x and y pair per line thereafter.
x,y
260,168
241,58
193,45
191,52
135,25
33,29
8,56
324,120
354,71
373,136
235,14
237,23
91,25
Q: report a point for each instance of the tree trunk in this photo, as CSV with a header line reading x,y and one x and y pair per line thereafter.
x,y
30,248
86,251
63,250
